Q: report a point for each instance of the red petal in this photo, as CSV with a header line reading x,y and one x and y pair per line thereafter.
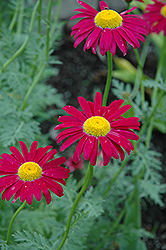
x,y
88,146
75,112
32,152
40,152
17,154
87,6
97,104
47,157
36,191
71,140
93,156
85,106
54,163
23,191
43,187
79,148
24,150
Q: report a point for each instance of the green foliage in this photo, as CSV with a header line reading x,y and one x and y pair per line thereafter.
x,y
3,245
150,186
155,84
120,88
92,203
105,218
20,118
33,241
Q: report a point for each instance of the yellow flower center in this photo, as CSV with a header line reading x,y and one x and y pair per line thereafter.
x,y
163,11
108,19
97,126
29,171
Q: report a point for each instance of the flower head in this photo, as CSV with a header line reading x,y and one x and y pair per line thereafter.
x,y
97,123
31,173
107,28
74,165
155,15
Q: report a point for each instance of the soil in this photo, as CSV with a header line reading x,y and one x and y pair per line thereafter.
x,y
82,74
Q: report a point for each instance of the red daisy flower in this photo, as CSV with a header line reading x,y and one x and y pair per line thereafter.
x,y
97,123
29,173
74,165
155,15
107,28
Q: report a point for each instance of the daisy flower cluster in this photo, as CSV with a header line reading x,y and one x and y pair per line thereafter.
x,y
31,173
107,28
98,124
155,15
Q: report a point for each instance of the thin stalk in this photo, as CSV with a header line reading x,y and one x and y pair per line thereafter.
x,y
20,18
138,205
159,68
109,77
13,21
20,50
115,225
59,3
33,68
12,220
149,133
42,66
0,16
141,62
115,177
39,16
35,81
138,80
128,5
87,181
161,60
16,54
151,116
48,29
155,94
117,222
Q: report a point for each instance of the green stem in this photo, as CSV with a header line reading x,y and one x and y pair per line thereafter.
x,y
20,50
20,18
42,66
128,5
17,53
12,220
13,21
34,65
155,94
141,62
149,133
152,114
138,205
117,222
35,81
138,80
87,181
0,17
59,3
109,76
161,60
159,68
48,29
141,74
122,213
115,177
39,16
